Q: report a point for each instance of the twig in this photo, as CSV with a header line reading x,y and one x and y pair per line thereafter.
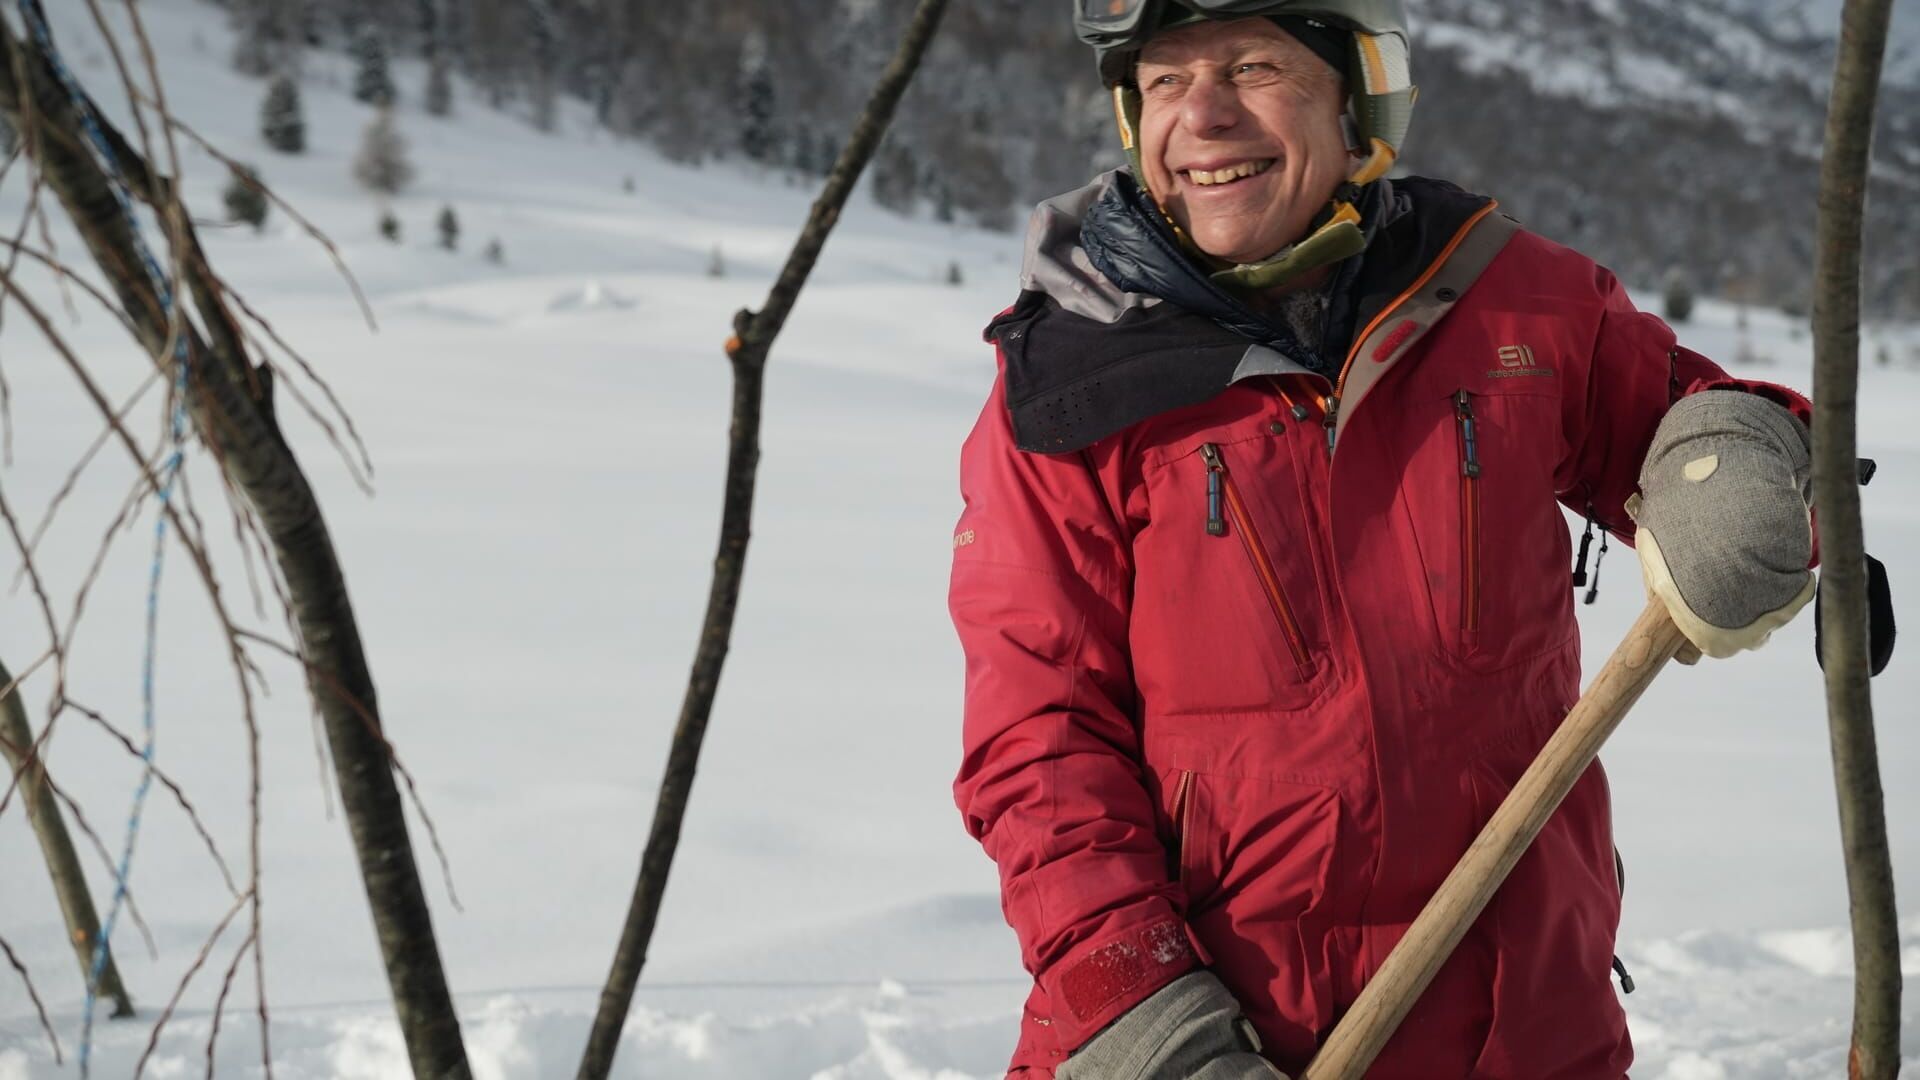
x,y
52,262
179,795
180,990
34,995
326,389
106,859
312,230
393,757
220,1002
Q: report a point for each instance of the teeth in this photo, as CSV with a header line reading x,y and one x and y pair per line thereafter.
x,y
1207,178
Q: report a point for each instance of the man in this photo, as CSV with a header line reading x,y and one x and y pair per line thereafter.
x,y
1263,581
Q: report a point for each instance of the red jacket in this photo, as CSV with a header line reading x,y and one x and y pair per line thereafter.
x,y
1242,683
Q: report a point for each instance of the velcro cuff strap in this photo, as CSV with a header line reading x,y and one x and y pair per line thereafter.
x,y
1117,974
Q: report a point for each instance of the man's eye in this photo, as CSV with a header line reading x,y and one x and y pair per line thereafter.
x,y
1255,70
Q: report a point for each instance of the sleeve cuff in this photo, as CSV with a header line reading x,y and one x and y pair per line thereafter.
x,y
1108,976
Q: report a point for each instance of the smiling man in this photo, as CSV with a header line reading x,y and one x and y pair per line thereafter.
x,y
1263,579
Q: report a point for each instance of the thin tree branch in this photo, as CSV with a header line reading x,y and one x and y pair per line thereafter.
x,y
34,996
180,989
1875,1053
747,350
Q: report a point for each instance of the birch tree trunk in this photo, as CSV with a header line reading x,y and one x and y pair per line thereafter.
x,y
231,406
63,862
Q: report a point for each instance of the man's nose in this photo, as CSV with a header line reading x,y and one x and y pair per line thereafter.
x,y
1210,106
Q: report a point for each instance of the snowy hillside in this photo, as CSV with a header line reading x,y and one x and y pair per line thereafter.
x,y
548,435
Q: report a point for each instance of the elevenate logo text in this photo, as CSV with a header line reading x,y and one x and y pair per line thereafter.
x,y
1517,361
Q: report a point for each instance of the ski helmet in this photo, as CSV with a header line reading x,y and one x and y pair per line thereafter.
x,y
1377,71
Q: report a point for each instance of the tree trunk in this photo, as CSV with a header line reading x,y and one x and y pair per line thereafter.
x,y
63,862
231,407
747,350
1875,1053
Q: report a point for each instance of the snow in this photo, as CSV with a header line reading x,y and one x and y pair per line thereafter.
x,y
549,438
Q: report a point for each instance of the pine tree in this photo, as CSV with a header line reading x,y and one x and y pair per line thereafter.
x,y
759,138
895,178
244,198
543,33
262,38
372,83
449,227
439,96
954,276
1679,296
716,265
389,227
803,160
281,122
495,254
382,164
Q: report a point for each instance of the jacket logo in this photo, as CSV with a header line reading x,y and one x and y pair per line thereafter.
x,y
1517,361
962,540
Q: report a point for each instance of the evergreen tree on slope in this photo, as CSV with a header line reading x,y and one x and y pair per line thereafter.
x,y
281,122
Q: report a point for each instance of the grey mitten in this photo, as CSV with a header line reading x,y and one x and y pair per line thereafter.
x,y
1190,1029
1725,534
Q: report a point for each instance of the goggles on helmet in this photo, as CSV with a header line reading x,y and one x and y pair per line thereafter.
x,y
1117,24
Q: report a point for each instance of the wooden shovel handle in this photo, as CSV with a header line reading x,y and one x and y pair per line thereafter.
x,y
1361,1034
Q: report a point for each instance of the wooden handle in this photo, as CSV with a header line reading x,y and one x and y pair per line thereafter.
x,y
1359,1037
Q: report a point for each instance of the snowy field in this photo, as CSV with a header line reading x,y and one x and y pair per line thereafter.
x,y
549,437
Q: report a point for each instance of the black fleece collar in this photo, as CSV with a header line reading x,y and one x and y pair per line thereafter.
x,y
1072,381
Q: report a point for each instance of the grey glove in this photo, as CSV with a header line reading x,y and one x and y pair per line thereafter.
x,y
1190,1029
1724,528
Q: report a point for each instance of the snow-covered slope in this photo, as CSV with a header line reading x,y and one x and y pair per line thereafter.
x,y
549,436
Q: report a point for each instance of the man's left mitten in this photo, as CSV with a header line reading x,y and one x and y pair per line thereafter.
x,y
1724,533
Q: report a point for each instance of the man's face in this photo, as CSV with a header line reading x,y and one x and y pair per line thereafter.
x,y
1240,134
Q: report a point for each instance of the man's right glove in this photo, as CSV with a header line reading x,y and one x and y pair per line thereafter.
x,y
1189,1028
1724,533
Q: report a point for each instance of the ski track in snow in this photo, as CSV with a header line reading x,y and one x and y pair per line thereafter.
x,y
549,440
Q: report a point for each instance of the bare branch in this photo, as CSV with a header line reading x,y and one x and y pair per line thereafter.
x,y
220,1002
312,230
180,989
34,995
179,795
393,757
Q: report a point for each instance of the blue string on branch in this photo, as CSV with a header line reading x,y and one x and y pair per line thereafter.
x,y
35,21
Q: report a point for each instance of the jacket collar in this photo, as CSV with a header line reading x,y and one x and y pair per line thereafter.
x,y
1126,237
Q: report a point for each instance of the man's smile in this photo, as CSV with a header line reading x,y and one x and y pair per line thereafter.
x,y
1213,174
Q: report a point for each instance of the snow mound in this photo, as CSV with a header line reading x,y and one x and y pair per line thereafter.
x,y
593,296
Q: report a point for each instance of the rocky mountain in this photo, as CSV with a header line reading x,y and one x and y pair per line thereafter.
x,y
1656,134
1653,134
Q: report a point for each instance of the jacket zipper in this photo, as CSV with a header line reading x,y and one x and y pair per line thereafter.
x,y
1182,820
1221,489
1469,512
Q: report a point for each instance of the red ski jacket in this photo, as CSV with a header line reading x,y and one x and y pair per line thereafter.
x,y
1251,655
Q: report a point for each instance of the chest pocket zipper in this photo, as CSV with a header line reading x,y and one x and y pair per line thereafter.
x,y
1224,504
1182,813
1469,512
